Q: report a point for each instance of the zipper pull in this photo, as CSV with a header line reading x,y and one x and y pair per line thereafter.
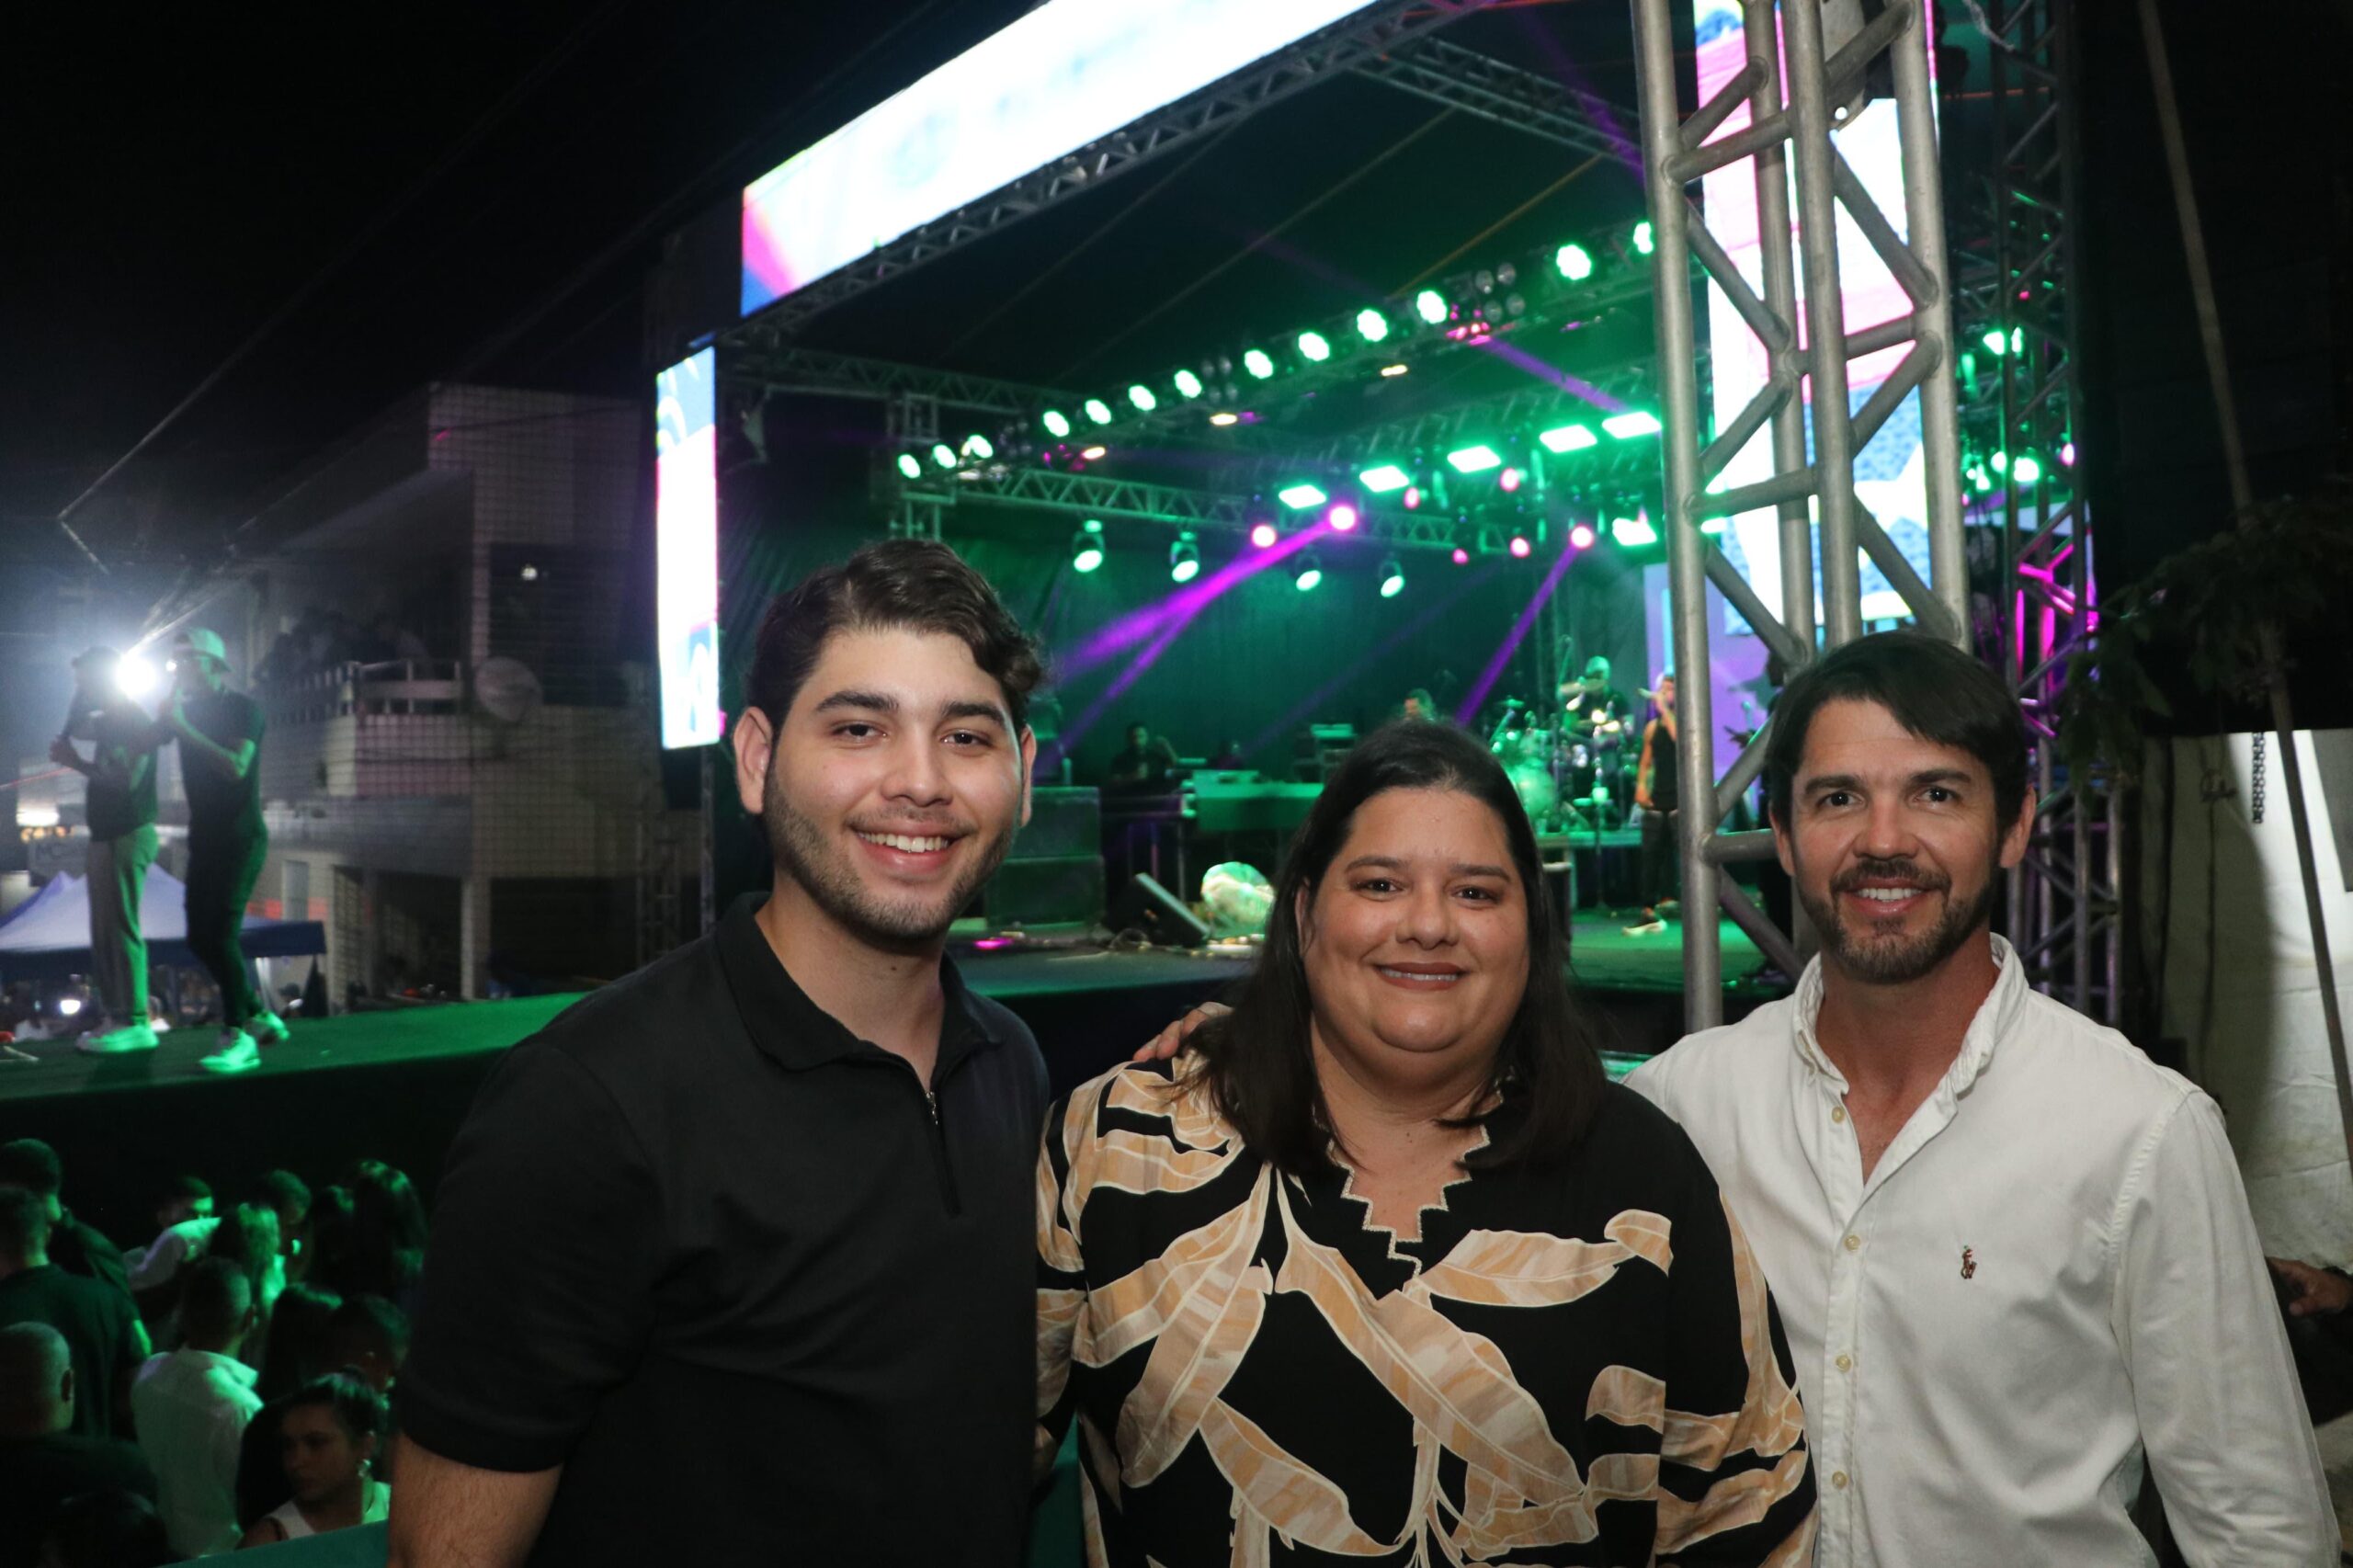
x,y
932,1099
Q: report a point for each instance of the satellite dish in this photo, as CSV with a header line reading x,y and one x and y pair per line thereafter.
x,y
506,690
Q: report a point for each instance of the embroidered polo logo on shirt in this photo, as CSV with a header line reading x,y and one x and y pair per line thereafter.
x,y
1968,1263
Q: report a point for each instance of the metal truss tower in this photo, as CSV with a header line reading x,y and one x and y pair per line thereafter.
x,y
1814,439
2016,289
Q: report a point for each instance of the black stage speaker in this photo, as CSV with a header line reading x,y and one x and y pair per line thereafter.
x,y
1061,821
1059,890
1148,907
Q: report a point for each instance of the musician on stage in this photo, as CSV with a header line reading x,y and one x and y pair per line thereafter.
x,y
1591,709
1657,793
1418,704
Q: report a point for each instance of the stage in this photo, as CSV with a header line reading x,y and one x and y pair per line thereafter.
x,y
395,1084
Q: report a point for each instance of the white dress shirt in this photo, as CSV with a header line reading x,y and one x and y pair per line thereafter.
x,y
191,1407
2049,1273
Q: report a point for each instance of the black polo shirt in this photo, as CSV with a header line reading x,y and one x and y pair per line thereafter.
x,y
724,1263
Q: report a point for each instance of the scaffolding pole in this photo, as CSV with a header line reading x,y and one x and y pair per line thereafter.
x,y
1790,98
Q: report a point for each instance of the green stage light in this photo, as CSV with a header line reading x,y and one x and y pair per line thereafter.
x,y
943,454
1568,438
1632,532
979,448
910,465
1086,547
1392,578
1301,496
1258,363
1310,572
1184,559
1371,326
1474,459
1430,305
1626,426
1098,411
1056,422
1575,263
1712,526
1643,244
1385,478
1187,384
1995,344
2026,471
1141,395
2001,462
1311,345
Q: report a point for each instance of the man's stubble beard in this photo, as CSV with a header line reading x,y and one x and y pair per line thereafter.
x,y
818,868
1883,963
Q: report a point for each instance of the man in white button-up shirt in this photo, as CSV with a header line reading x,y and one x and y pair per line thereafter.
x,y
2013,1256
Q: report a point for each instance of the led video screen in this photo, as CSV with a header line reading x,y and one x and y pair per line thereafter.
x,y
1889,475
685,529
1070,71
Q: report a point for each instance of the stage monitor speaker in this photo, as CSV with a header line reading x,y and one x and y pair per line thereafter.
x,y
1061,890
1148,907
1061,821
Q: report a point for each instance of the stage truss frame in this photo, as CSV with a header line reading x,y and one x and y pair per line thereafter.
x,y
2020,277
1792,116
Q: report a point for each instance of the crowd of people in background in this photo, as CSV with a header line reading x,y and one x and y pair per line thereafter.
x,y
224,1384
328,639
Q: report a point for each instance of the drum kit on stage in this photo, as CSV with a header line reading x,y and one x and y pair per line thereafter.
x,y
1567,781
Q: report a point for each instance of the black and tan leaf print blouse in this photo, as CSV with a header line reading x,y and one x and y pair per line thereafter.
x,y
1573,1363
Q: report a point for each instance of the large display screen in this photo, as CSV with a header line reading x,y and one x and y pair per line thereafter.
x,y
1070,71
1889,475
686,549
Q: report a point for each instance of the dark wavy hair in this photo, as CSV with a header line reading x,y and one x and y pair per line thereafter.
x,y
1257,1061
1933,688
910,583
358,1409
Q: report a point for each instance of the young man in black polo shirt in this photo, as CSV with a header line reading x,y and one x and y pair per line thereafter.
x,y
731,1262
218,731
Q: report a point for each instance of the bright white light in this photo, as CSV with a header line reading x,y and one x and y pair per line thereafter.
x,y
68,1005
135,675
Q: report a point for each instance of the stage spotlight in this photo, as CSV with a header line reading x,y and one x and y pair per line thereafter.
x,y
1311,572
1098,411
1574,261
1581,537
1412,498
1384,478
1632,532
1225,417
911,465
1141,395
1392,578
1184,559
1473,459
2026,471
1264,535
1260,364
979,448
1094,454
1391,371
1301,496
943,454
1187,384
2001,462
1626,426
1086,547
1342,516
1995,344
1056,422
135,676
1520,547
2067,455
1567,438
1371,326
1311,345
1461,556
1508,480
1430,305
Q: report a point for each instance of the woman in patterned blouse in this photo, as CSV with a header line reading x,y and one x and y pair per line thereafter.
x,y
1384,1269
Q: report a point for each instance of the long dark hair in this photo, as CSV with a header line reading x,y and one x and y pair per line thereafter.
x,y
1257,1061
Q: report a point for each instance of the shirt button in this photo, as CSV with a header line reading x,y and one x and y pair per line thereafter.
x,y
1837,1113
1838,1478
1846,1363
1854,1243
